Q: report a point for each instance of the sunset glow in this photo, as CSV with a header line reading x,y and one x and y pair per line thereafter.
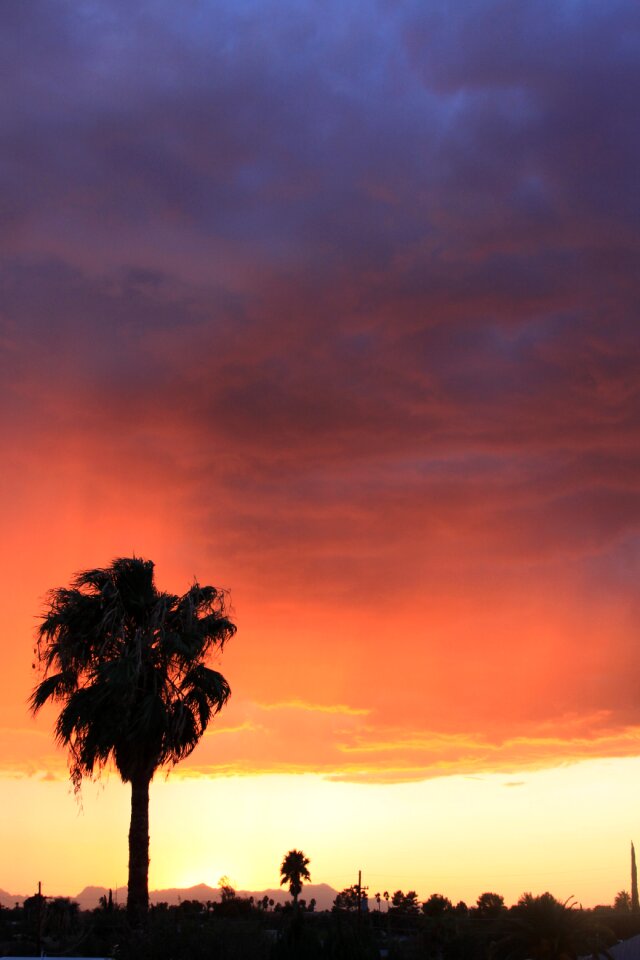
x,y
334,307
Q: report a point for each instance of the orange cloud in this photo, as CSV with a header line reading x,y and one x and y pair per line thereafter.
x,y
348,745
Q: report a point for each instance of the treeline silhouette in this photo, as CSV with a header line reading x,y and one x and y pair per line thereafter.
x,y
399,926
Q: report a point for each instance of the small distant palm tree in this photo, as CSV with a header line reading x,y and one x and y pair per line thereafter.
x,y
622,902
129,666
293,871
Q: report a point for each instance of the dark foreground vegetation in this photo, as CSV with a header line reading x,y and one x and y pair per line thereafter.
x,y
399,928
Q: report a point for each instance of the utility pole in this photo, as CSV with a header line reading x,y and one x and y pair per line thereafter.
x,y
39,921
359,897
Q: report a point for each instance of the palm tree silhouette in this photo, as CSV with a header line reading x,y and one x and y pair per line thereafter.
x,y
293,871
622,902
128,663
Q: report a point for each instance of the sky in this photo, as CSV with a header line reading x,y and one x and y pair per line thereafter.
x,y
334,306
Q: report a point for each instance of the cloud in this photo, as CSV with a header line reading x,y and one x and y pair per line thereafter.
x,y
27,752
356,748
333,708
352,745
341,308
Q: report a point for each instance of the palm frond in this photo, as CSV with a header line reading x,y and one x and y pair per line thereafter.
x,y
54,687
205,690
97,579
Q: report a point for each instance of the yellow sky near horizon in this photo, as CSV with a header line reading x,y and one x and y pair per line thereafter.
x,y
566,830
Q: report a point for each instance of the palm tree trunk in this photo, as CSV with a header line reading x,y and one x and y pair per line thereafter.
x,y
138,892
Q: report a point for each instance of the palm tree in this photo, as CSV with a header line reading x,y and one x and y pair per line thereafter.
x,y
293,871
129,665
622,902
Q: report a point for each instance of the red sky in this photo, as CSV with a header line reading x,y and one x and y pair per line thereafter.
x,y
338,311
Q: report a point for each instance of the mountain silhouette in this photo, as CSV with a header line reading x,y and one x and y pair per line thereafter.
x,y
10,899
89,897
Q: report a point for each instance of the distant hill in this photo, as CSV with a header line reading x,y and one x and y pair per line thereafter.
x,y
9,899
89,898
324,894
